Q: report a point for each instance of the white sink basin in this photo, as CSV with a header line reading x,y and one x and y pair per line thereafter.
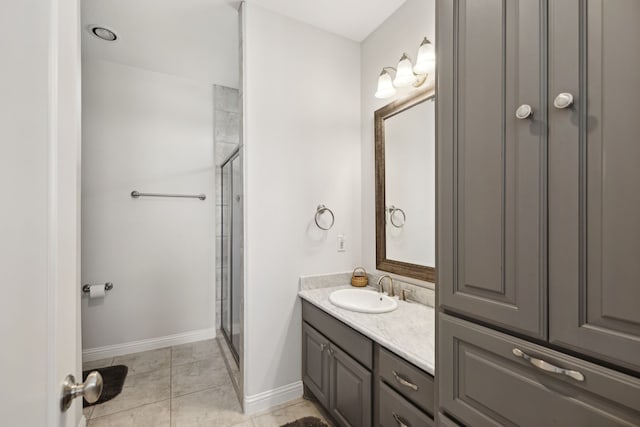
x,y
363,301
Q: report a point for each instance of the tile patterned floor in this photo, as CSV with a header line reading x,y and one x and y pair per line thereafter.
x,y
183,386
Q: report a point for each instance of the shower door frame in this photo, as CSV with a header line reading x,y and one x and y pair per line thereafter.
x,y
235,352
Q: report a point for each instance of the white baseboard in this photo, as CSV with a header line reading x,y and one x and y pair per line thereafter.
x,y
83,422
268,399
107,351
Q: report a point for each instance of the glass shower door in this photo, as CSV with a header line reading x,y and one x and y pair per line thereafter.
x,y
232,251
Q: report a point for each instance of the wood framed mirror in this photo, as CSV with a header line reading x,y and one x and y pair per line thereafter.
x,y
405,186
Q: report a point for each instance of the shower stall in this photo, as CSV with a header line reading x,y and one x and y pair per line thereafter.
x,y
232,251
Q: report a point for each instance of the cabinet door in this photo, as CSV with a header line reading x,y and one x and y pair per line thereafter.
x,y
594,179
491,200
350,396
315,363
490,379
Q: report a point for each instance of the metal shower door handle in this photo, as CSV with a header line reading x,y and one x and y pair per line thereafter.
x,y
91,389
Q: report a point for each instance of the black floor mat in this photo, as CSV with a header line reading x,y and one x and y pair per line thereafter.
x,y
306,422
112,378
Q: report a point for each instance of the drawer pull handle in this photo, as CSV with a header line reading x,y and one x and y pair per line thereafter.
x,y
401,421
404,382
546,366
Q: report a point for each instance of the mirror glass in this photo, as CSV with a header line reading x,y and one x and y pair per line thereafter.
x,y
405,186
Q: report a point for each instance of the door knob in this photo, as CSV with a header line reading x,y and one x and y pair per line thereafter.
x,y
524,111
563,100
91,389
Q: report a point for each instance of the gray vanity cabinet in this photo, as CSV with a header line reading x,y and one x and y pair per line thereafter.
x,y
539,214
360,383
491,184
350,396
552,195
315,362
339,382
337,364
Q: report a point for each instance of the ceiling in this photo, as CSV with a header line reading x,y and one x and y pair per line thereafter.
x,y
194,39
353,19
199,39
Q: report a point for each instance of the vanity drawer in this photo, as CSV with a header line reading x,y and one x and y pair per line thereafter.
x,y
411,382
490,383
357,345
396,411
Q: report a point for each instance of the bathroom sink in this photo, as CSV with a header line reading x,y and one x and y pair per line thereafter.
x,y
363,301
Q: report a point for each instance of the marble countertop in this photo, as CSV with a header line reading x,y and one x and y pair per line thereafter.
x,y
408,331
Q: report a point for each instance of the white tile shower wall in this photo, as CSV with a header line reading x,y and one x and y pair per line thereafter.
x,y
227,121
150,132
302,148
401,32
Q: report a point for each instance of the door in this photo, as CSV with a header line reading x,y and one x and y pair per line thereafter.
x,y
39,234
491,198
232,251
594,199
350,393
315,363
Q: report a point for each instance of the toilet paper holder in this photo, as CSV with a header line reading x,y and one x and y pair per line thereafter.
x,y
107,287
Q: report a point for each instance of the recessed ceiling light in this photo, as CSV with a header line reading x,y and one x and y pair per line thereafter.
x,y
104,33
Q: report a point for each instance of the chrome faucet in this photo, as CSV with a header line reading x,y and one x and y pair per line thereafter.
x,y
381,287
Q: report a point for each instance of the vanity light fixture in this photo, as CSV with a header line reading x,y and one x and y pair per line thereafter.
x,y
426,61
406,73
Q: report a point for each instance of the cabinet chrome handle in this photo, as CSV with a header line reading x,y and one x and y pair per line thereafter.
x,y
548,367
401,421
322,347
91,389
405,382
563,100
524,112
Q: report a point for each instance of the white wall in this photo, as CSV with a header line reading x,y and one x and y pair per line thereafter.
x,y
302,148
401,32
150,132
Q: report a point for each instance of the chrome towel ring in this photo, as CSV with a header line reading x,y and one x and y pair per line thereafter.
x,y
392,211
319,211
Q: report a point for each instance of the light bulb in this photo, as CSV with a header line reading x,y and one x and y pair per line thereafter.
x,y
404,75
426,61
385,86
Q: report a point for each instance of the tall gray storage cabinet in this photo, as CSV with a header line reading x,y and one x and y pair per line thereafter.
x,y
539,212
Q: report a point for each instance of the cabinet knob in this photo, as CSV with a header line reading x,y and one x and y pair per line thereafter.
x,y
524,112
563,100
